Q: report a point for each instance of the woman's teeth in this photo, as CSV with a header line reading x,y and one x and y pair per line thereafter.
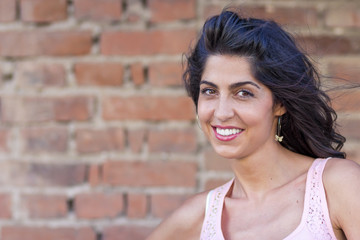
x,y
227,131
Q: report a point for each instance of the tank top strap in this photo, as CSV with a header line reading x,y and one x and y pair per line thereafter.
x,y
211,228
317,216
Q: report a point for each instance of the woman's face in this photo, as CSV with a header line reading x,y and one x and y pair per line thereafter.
x,y
235,110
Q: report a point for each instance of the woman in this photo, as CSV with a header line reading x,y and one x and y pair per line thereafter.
x,y
259,103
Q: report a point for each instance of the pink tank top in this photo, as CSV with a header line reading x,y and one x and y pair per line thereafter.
x,y
315,222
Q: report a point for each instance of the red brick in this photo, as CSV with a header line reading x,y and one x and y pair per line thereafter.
x,y
214,183
39,109
31,74
4,136
345,15
137,205
94,176
162,205
35,43
215,162
137,74
329,45
101,74
136,139
347,101
165,74
296,16
46,233
126,232
45,206
40,174
108,10
43,10
45,139
98,205
181,141
147,108
5,206
7,10
69,108
170,10
346,70
350,128
146,174
146,43
90,140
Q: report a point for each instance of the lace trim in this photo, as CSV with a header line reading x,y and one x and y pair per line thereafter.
x,y
316,221
210,225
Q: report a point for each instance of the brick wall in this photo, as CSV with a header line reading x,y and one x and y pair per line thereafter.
x,y
98,139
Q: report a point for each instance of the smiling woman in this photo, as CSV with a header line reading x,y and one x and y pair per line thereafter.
x,y
260,105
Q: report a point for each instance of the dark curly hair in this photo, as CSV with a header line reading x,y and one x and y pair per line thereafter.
x,y
309,124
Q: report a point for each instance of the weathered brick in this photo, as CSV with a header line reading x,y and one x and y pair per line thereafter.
x,y
147,108
5,206
4,139
145,42
137,205
136,139
137,74
346,15
214,183
345,70
90,140
126,232
350,128
107,10
35,75
43,10
347,101
182,141
7,10
35,43
145,174
162,205
45,206
306,16
42,233
329,45
101,74
98,205
94,175
39,109
40,174
170,10
215,162
45,139
69,108
165,74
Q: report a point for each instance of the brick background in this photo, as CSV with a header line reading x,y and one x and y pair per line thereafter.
x,y
98,139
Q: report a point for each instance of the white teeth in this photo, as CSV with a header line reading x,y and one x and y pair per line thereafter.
x,y
227,131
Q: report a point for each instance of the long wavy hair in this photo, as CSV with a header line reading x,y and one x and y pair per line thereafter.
x,y
309,124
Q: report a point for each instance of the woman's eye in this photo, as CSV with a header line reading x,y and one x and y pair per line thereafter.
x,y
208,91
245,93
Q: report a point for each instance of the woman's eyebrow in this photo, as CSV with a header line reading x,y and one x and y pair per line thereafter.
x,y
239,84
208,83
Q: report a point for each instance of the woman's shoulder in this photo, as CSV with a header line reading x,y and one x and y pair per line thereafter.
x,y
341,180
185,222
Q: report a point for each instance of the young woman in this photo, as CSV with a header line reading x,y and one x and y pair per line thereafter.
x,y
260,105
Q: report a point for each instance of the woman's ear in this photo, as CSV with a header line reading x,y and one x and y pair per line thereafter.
x,y
279,109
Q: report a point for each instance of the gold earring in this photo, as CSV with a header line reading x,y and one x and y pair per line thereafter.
x,y
278,138
198,121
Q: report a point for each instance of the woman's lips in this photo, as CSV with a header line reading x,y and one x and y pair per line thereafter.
x,y
227,133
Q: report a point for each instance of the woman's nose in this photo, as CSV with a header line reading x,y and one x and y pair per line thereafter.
x,y
224,110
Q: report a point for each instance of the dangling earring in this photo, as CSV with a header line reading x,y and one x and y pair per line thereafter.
x,y
198,121
278,138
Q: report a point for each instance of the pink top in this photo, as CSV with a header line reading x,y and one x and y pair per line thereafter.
x,y
315,222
